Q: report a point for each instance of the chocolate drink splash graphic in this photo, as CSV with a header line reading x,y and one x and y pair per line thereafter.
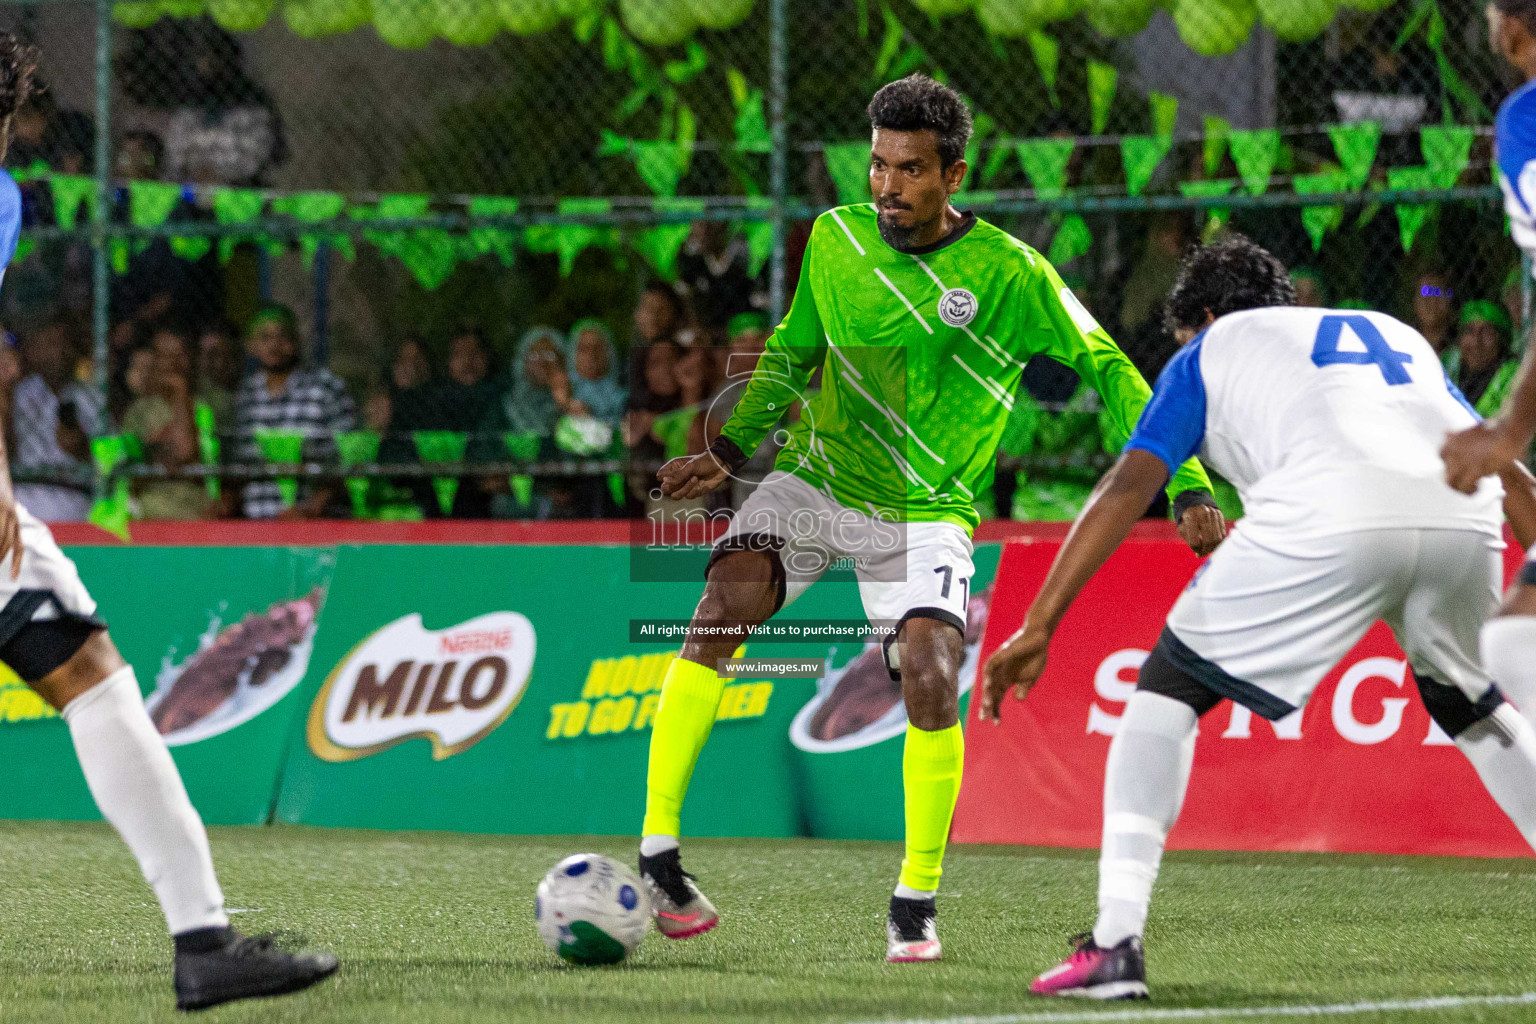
x,y
251,651
865,692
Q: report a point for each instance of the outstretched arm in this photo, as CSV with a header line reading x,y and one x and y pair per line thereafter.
x,y
1120,499
1486,448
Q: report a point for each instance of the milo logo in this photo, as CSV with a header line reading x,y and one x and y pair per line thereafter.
x,y
451,686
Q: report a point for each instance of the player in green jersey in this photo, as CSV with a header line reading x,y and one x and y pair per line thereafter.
x,y
921,319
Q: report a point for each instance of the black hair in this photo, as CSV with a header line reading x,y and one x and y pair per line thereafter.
x,y
918,103
18,72
1523,11
472,330
1224,277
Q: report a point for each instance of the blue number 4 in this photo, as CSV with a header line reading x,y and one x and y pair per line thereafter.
x,y
1325,351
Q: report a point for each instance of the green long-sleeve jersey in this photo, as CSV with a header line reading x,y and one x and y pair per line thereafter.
x,y
920,354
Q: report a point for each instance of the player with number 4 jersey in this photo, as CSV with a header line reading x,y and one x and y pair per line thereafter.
x,y
1329,422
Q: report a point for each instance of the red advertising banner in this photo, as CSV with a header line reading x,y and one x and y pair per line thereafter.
x,y
1360,769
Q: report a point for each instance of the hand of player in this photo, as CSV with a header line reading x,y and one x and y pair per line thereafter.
x,y
691,476
1203,528
1477,452
1019,663
10,534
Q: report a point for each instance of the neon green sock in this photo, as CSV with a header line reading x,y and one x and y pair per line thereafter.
x,y
690,696
930,769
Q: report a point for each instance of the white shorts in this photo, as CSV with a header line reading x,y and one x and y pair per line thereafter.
x,y
1264,628
49,586
905,570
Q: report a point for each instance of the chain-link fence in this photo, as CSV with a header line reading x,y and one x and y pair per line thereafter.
x,y
521,238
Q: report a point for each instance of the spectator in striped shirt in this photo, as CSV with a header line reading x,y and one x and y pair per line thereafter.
x,y
282,395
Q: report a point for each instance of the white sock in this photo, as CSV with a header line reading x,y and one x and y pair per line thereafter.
x,y
1144,783
1502,747
1509,655
906,892
650,846
137,788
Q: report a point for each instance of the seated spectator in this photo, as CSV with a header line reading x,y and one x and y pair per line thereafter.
x,y
282,395
712,272
529,407
655,392
53,418
1487,368
460,402
162,419
1433,316
595,389
219,365
1310,287
410,367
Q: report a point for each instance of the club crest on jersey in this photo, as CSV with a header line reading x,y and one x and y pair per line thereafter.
x,y
957,307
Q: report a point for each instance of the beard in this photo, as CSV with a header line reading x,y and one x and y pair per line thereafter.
x,y
895,235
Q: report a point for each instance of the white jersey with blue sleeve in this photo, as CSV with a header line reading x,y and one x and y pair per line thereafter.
x,y
1326,421
1514,150
10,220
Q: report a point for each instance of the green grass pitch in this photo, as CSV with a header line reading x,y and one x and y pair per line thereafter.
x,y
435,928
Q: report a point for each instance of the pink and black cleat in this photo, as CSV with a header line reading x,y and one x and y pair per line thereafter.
x,y
912,931
1119,972
681,910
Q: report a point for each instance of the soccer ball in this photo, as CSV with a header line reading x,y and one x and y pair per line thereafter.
x,y
592,910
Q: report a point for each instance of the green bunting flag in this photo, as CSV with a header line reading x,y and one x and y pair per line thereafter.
x,y
70,191
111,513
284,447
848,166
1165,112
1255,153
429,253
751,126
569,240
1317,221
759,235
522,447
488,239
1217,133
659,245
1355,145
238,206
1045,161
1047,54
1218,215
358,448
1447,150
1102,80
316,208
1411,216
1073,239
660,163
442,446
23,249
1140,155
150,203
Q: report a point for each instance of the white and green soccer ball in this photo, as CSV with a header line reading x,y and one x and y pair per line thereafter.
x,y
592,910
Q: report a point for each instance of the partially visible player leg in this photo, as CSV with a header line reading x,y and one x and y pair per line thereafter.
x,y
917,579
1257,627
1441,619
931,763
741,592
1509,644
137,788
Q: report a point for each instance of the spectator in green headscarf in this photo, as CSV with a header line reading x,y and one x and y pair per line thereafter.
x,y
1487,368
538,371
594,376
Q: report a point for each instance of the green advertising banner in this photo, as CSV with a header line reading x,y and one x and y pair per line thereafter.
x,y
521,704
220,640
487,689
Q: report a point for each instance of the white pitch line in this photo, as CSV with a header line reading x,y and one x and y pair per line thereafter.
x,y
1220,1013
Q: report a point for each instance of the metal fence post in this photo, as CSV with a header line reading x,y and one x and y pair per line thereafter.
x,y
101,213
778,160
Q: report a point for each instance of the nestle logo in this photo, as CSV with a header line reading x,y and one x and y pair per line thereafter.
x,y
475,641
